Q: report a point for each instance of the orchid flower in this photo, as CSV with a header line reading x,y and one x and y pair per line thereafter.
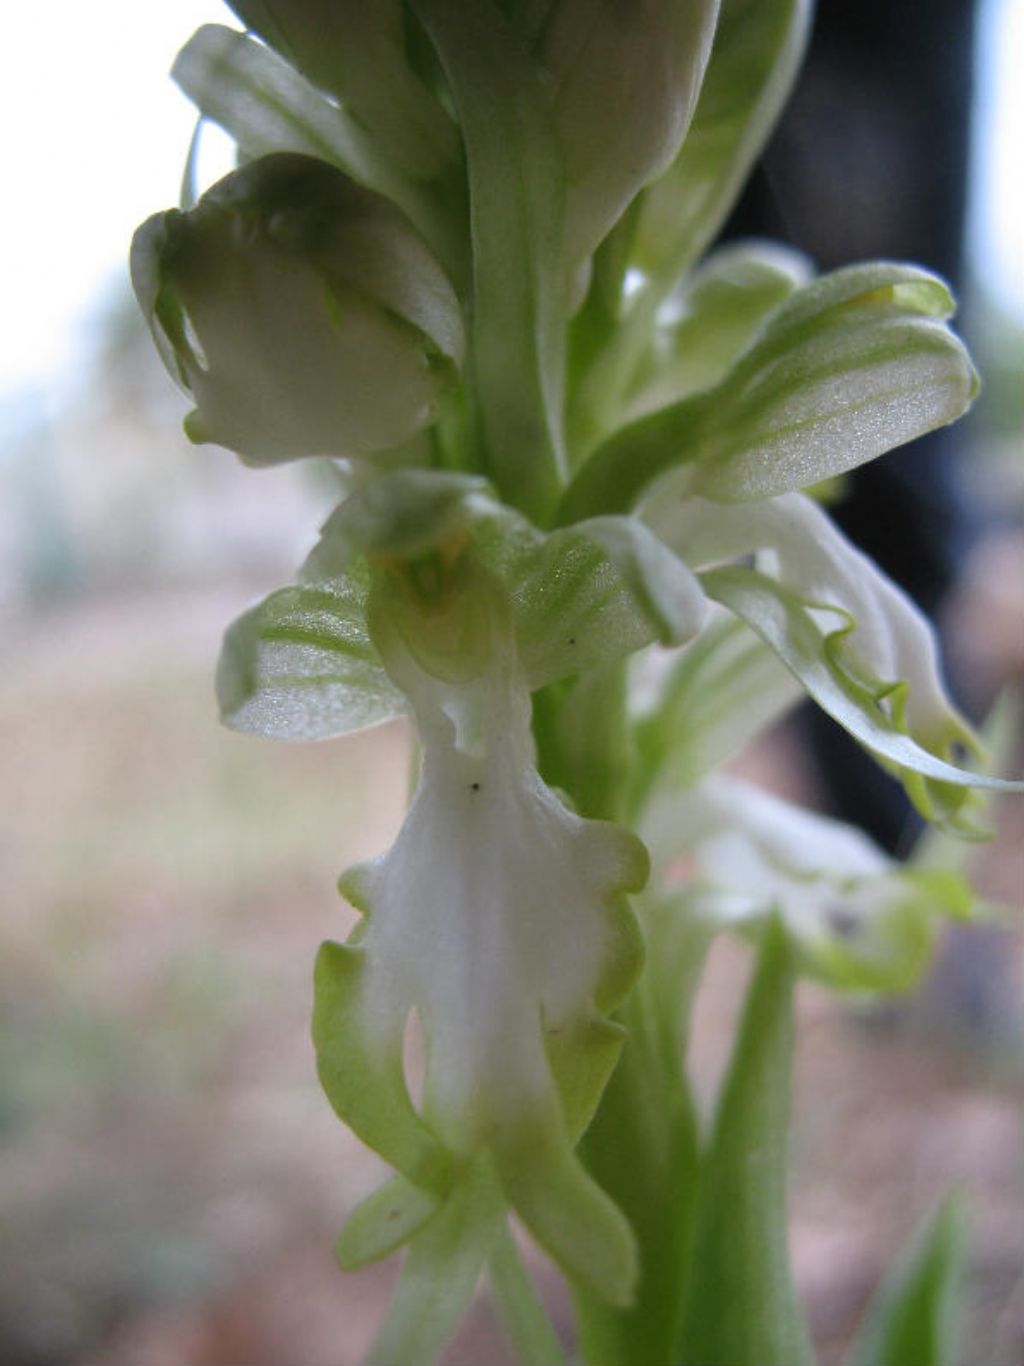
x,y
300,311
858,920
462,257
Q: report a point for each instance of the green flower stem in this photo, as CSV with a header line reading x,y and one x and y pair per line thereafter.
x,y
619,471
643,1148
741,1309
582,739
517,222
523,1315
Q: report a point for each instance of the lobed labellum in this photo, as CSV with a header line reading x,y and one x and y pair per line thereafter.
x,y
499,917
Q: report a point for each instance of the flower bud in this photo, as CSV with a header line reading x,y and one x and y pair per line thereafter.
x,y
303,314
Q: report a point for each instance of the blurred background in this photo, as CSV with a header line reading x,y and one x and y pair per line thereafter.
x,y
171,1178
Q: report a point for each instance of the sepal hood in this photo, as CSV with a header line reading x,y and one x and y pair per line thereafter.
x,y
302,313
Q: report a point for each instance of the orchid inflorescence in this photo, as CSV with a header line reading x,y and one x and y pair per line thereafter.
x,y
465,256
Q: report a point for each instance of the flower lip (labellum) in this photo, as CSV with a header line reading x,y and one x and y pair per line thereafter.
x,y
498,916
303,313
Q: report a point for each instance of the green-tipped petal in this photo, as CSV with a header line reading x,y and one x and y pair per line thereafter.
x,y
362,1073
852,365
876,671
797,544
938,788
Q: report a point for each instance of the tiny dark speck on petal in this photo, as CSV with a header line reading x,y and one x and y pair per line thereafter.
x,y
474,787
843,923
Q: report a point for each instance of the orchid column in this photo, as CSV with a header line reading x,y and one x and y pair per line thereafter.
x,y
463,257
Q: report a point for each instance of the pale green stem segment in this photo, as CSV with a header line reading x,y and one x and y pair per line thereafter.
x,y
583,744
741,1308
441,1271
643,1147
914,1319
522,1314
517,209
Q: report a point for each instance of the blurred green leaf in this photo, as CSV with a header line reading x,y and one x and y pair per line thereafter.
x,y
741,1309
914,1318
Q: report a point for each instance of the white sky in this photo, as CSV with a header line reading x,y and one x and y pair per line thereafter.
x,y
94,138
995,235
95,135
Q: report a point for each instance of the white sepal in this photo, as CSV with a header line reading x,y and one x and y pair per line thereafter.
x,y
797,544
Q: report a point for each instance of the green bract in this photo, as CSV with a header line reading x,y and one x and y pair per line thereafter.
x,y
302,313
